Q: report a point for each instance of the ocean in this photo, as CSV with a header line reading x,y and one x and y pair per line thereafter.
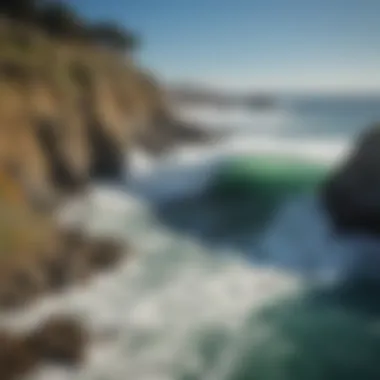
x,y
228,286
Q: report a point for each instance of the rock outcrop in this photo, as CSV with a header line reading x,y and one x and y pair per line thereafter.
x,y
59,340
71,107
352,193
49,260
38,256
72,104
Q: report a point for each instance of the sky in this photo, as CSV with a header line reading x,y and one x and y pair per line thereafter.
x,y
264,44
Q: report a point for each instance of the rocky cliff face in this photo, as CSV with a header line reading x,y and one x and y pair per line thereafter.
x,y
73,110
70,110
352,193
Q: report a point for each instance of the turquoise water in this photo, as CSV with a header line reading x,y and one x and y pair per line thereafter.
x,y
315,335
241,199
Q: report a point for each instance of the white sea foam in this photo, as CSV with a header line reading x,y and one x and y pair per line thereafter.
x,y
175,295
189,170
158,301
235,118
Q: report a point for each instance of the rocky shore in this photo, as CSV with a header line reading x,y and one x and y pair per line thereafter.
x,y
60,340
73,102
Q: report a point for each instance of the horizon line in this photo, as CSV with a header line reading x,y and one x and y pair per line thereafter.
x,y
210,86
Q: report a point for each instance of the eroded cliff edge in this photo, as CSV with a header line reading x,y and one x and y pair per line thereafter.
x,y
73,101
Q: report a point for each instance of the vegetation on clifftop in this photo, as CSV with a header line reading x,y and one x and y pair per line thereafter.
x,y
58,20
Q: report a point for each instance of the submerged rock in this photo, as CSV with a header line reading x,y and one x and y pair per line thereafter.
x,y
351,195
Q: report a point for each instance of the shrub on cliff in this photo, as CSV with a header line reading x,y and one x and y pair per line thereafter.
x,y
60,21
23,10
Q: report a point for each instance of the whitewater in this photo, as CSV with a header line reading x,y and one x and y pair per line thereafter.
x,y
179,309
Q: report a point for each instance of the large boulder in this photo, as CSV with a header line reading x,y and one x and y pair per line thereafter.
x,y
351,195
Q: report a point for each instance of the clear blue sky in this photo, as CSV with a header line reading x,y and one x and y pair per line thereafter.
x,y
285,44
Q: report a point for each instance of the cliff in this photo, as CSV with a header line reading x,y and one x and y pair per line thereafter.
x,y
72,103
